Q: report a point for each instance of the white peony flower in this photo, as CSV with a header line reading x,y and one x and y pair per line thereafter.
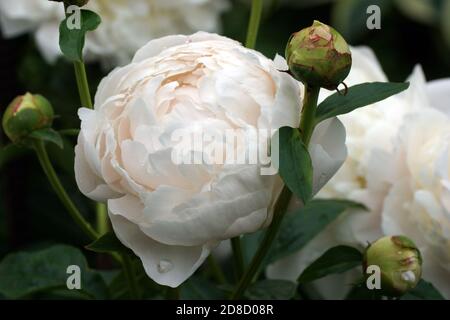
x,y
171,215
398,166
126,25
418,202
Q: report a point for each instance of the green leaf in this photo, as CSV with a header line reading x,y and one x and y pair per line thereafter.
x,y
357,96
271,290
24,274
423,291
335,260
107,243
197,288
49,135
71,41
299,227
295,163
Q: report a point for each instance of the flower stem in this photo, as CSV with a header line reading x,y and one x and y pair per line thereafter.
x,y
238,256
44,160
279,211
253,25
307,123
101,218
85,98
130,276
82,84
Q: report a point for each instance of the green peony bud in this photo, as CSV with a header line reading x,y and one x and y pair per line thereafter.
x,y
26,114
78,3
319,56
399,261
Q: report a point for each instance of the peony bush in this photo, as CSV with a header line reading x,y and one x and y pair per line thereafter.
x,y
212,171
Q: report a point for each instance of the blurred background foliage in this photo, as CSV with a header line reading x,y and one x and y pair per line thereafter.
x,y
412,32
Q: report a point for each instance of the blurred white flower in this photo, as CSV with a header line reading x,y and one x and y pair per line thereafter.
x,y
126,25
172,215
398,166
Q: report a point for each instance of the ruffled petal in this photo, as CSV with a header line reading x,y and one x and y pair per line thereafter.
x,y
165,264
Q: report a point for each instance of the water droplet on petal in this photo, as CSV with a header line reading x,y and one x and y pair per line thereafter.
x,y
409,276
165,266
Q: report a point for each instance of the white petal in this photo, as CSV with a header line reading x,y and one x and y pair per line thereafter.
x,y
165,264
286,108
328,151
244,194
439,94
89,183
280,63
47,40
156,46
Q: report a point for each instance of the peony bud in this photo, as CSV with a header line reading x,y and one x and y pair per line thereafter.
x,y
26,114
319,56
399,261
78,3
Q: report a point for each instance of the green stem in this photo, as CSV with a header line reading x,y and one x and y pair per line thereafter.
x,y
253,25
82,84
252,270
102,218
238,256
307,124
216,270
130,276
44,160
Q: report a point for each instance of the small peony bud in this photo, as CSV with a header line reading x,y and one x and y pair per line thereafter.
x,y
399,261
26,114
319,56
78,3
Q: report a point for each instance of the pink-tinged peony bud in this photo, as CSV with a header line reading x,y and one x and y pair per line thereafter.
x,y
400,263
26,114
319,56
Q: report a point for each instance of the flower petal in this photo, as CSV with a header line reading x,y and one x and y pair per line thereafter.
x,y
328,151
166,265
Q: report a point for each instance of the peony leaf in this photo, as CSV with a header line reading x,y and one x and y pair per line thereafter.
x,y
423,291
49,135
271,290
107,243
335,260
357,96
24,274
295,163
300,226
72,37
